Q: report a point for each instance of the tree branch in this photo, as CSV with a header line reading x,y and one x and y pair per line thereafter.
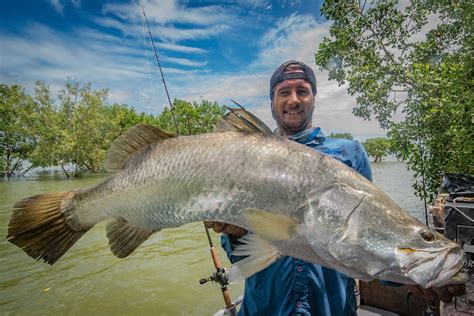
x,y
382,46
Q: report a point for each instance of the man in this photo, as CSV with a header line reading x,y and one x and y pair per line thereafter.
x,y
291,286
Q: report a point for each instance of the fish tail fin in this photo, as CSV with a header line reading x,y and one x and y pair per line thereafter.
x,y
38,226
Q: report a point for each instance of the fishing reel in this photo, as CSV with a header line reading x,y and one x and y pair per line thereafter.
x,y
221,276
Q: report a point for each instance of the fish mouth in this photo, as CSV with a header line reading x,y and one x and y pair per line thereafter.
x,y
430,267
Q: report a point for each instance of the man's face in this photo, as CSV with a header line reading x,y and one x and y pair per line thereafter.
x,y
293,106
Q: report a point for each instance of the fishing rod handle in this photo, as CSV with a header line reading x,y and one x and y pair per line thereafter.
x,y
227,300
215,258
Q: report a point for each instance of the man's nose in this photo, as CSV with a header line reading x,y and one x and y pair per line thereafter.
x,y
293,100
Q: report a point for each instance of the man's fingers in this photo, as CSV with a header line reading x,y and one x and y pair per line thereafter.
x,y
236,231
456,289
429,294
226,229
216,226
443,294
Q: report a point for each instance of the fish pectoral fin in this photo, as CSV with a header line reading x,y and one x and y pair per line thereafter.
x,y
270,226
129,143
124,237
260,254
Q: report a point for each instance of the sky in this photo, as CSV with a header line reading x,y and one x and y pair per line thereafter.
x,y
213,50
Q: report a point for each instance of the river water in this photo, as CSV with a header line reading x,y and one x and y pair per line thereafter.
x,y
161,277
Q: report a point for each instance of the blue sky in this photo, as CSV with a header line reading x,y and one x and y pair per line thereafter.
x,y
216,50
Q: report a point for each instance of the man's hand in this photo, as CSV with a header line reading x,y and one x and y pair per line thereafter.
x,y
226,229
444,293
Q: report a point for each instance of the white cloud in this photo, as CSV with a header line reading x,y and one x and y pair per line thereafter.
x,y
295,37
290,3
180,48
168,11
118,95
165,33
133,30
106,39
76,3
57,6
266,4
185,62
87,33
174,34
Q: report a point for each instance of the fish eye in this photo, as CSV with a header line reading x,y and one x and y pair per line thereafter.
x,y
427,235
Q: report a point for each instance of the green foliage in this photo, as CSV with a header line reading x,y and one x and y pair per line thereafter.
x,y
190,118
393,62
2,164
51,149
76,129
88,130
75,132
377,147
342,135
125,117
16,139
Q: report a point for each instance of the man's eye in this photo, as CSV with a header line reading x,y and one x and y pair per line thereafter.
x,y
283,92
303,92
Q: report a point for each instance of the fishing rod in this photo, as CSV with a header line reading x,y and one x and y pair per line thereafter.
x,y
221,275
159,66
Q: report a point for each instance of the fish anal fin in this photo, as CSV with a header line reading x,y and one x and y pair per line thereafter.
x,y
124,237
241,120
270,226
127,144
259,255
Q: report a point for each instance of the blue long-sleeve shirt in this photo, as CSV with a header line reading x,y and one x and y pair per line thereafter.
x,y
291,286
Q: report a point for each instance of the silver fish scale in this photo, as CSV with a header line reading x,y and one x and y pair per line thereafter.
x,y
209,176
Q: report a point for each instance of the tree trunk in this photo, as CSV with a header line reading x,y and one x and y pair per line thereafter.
x,y
64,170
26,170
8,171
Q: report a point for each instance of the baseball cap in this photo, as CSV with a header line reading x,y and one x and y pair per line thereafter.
x,y
280,75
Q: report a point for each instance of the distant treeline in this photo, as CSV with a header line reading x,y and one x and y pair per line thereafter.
x,y
75,129
377,148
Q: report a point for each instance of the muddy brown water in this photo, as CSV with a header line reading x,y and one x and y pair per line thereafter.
x,y
159,278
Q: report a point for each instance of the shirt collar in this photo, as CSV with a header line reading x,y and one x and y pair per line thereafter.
x,y
311,135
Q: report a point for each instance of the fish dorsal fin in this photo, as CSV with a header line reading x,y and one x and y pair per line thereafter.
x,y
241,120
127,144
124,237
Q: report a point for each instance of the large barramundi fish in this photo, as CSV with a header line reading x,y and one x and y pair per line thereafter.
x,y
295,202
